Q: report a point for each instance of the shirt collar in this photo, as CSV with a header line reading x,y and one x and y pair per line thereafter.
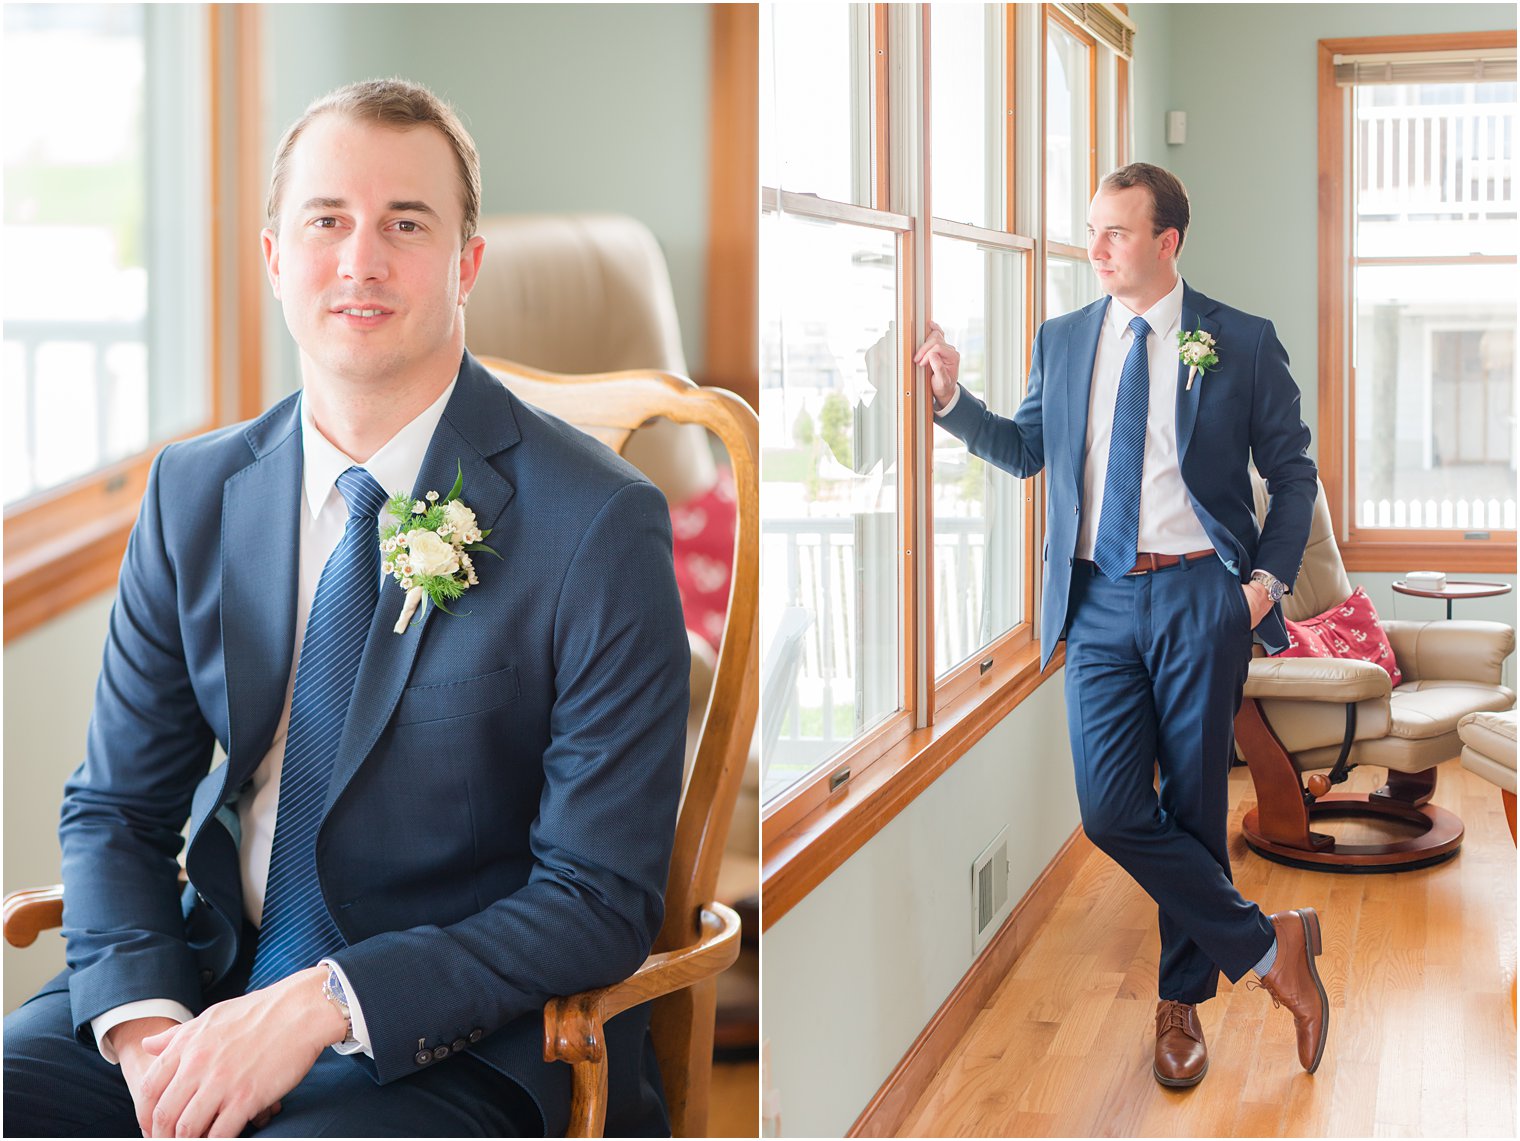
x,y
1164,317
394,466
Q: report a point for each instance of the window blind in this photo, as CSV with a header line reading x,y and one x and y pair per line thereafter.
x,y
1495,65
1106,23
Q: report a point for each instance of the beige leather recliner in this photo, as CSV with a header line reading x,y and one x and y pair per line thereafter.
x,y
1308,715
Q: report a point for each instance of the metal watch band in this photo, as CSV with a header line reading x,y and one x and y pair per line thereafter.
x,y
1275,589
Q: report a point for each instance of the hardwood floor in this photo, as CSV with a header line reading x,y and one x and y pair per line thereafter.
x,y
1417,965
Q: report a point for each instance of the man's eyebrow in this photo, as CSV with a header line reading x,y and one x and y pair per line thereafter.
x,y
413,207
405,205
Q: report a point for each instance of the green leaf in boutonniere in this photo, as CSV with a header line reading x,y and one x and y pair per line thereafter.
x,y
426,547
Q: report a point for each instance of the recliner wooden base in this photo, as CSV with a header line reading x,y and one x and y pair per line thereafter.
x,y
1439,838
1279,827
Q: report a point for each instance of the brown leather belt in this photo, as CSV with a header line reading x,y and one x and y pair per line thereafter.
x,y
1148,561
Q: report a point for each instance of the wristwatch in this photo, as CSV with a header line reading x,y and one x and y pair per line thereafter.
x,y
332,990
1275,589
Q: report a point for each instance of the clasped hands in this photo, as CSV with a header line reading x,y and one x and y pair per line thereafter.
x,y
231,1065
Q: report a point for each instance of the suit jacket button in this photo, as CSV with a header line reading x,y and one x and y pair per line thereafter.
x,y
477,1034
440,1054
423,1057
206,978
1070,562
459,1044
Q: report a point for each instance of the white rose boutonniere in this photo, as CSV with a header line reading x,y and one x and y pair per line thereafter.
x,y
1196,350
426,547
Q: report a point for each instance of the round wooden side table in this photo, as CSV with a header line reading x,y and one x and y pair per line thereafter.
x,y
1455,590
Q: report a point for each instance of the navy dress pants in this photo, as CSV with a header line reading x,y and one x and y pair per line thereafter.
x,y
1155,664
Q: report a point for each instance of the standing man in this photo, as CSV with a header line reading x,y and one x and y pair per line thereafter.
x,y
421,831
1156,575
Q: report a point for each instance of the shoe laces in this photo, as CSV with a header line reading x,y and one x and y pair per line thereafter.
x,y
1176,1018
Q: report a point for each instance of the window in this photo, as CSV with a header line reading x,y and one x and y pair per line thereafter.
x,y
1417,442
102,213
905,176
110,306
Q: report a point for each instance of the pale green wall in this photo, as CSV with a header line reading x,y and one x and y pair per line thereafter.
x,y
855,971
49,690
574,107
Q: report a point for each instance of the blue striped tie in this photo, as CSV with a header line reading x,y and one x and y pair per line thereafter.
x,y
1119,524
296,930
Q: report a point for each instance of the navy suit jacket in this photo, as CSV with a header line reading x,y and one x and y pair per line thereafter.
x,y
502,807
1247,407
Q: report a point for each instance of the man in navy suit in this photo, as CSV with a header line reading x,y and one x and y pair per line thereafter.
x,y
497,823
1156,574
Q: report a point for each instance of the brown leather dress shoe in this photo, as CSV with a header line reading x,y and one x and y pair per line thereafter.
x,y
1181,1056
1294,981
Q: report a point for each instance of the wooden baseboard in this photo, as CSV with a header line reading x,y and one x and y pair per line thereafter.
x,y
889,1109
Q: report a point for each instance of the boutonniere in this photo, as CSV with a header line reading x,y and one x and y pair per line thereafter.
x,y
1196,350
427,548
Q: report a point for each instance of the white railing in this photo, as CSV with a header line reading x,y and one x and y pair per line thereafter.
x,y
1445,514
23,340
1452,159
816,561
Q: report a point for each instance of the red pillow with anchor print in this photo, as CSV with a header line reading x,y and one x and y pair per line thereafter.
x,y
1350,630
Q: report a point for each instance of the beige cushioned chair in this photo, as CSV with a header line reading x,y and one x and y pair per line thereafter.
x,y
1308,715
1488,749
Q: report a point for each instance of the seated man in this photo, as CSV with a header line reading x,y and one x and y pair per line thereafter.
x,y
424,826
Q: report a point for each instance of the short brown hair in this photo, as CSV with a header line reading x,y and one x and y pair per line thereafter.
x,y
393,103
1169,198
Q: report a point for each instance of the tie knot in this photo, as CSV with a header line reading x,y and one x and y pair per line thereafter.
x,y
1140,328
363,495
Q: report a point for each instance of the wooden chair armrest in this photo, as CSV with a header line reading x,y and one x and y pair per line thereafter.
x,y
30,912
573,1023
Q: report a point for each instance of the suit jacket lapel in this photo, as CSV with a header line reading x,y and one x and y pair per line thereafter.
x,y
1083,348
477,423
1195,315
259,581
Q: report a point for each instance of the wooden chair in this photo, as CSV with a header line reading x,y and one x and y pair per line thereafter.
x,y
700,937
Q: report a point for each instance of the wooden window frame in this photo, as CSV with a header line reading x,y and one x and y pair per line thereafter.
x,y
809,830
1377,548
102,507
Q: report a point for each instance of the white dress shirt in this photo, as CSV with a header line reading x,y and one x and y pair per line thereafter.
x,y
1168,523
394,467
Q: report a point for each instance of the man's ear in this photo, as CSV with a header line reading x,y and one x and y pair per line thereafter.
x,y
1170,240
469,266
271,244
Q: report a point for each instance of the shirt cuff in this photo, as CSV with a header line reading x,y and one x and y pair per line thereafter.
x,y
103,1024
359,1032
945,411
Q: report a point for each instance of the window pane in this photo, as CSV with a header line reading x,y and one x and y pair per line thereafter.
x,y
1435,396
829,600
966,126
1068,138
1435,169
978,509
815,106
1069,285
104,302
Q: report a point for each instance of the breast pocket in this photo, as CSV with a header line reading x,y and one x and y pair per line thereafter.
x,y
457,698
